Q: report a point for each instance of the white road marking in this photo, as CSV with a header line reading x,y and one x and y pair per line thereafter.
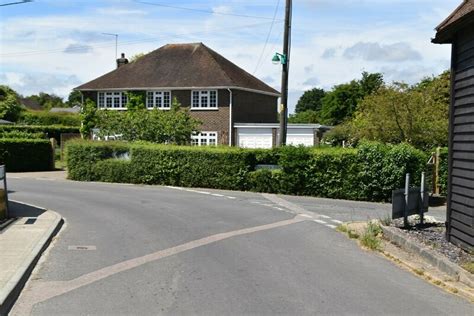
x,y
40,291
336,221
10,177
216,194
331,226
319,221
47,179
324,216
231,197
306,215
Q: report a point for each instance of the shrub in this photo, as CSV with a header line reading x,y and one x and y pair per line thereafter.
x,y
370,172
47,118
82,158
26,154
52,131
22,134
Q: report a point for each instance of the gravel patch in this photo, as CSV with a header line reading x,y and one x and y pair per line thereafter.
x,y
433,235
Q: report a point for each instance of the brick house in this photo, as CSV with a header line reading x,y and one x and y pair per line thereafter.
x,y
218,92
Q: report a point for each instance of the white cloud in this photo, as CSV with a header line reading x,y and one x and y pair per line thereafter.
x,y
120,11
33,83
370,51
78,49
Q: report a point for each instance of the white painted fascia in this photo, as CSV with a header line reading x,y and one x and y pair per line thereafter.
x,y
183,88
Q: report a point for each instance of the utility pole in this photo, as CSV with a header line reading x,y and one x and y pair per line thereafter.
x,y
283,107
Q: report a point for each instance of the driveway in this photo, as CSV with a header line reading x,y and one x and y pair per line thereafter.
x,y
147,250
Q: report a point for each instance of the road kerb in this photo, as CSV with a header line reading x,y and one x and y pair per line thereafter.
x,y
10,292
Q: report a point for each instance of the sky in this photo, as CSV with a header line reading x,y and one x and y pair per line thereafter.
x,y
56,45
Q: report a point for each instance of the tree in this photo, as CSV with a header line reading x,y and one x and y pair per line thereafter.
x,y
136,57
48,101
399,113
341,102
310,100
308,116
10,107
173,126
74,98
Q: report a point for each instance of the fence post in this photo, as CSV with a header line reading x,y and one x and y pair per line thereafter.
x,y
407,192
422,192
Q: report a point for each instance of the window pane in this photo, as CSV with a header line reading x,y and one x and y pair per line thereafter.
x,y
167,100
116,102
195,99
213,99
149,101
204,101
124,99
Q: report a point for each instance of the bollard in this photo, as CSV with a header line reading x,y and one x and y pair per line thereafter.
x,y
407,192
422,192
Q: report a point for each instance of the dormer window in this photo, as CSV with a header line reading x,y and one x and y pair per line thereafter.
x,y
158,99
204,100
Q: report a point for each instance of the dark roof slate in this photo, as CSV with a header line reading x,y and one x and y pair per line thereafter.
x,y
178,66
464,12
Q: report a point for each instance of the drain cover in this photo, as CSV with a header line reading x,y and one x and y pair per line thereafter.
x,y
82,248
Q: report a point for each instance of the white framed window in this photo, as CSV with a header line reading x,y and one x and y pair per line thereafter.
x,y
158,99
204,139
204,100
113,100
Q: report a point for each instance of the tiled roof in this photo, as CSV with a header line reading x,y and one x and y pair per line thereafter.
x,y
464,11
179,66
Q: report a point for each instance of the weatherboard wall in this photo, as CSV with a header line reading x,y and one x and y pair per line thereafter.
x,y
461,165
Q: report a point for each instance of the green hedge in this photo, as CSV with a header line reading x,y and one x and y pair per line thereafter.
x,y
26,154
51,131
368,173
23,135
159,164
48,118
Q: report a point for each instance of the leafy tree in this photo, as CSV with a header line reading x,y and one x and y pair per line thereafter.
x,y
48,101
308,116
88,118
399,113
74,98
10,107
136,57
310,100
341,102
168,127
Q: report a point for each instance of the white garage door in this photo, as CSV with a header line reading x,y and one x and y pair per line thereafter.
x,y
301,136
254,137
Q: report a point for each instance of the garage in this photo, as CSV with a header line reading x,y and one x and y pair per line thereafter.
x,y
254,137
300,136
264,135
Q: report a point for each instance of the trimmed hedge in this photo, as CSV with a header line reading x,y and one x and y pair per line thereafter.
x,y
21,134
26,154
52,131
159,164
368,173
48,118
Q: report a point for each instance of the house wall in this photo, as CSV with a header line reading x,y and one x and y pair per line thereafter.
x,y
461,160
251,107
248,107
212,120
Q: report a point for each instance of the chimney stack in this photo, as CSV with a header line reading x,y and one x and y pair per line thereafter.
x,y
122,61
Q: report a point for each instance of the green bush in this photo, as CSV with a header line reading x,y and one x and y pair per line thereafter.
x,y
369,172
26,154
48,118
52,131
22,134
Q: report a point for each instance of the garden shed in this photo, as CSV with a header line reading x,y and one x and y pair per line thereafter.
x,y
458,30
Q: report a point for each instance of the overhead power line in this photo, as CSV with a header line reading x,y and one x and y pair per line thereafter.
x,y
203,10
18,2
126,43
268,37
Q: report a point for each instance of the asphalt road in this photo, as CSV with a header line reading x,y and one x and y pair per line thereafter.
x,y
160,250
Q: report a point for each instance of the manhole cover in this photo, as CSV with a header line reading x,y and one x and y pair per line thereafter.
x,y
82,248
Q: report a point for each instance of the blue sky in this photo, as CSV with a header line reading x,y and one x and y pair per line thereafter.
x,y
55,45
